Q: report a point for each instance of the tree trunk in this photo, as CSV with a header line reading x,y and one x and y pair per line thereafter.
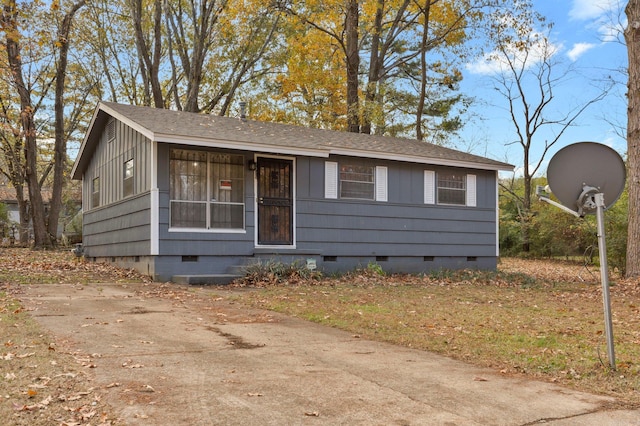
x,y
426,12
353,63
632,37
149,62
27,112
60,147
374,70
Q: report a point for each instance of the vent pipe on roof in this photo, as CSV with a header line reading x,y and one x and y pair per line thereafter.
x,y
243,111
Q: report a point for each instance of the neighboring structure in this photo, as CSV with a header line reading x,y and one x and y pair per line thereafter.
x,y
190,197
68,212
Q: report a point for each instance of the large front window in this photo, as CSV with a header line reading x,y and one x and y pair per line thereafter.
x,y
206,190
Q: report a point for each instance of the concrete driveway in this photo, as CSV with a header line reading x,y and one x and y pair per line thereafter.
x,y
173,355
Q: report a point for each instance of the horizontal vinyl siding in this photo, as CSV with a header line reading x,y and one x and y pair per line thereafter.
x,y
120,229
360,229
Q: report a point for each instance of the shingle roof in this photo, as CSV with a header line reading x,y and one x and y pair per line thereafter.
x,y
164,125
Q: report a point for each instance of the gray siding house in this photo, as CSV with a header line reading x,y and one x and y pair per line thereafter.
x,y
190,197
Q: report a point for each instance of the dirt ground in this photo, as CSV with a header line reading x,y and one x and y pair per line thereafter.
x,y
166,354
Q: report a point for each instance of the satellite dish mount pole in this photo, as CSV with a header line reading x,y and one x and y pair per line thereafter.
x,y
589,200
604,277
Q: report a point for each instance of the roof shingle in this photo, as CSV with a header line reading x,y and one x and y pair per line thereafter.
x,y
165,125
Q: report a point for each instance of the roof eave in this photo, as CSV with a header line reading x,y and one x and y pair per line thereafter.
x,y
81,162
76,173
423,160
242,146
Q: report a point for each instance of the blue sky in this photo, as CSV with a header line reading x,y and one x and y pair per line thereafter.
x,y
586,36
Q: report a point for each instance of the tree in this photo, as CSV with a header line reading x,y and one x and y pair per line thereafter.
x,y
528,77
11,20
632,37
33,67
190,28
149,58
407,54
339,20
60,130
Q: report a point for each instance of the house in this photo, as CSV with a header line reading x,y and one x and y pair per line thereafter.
x,y
8,197
190,197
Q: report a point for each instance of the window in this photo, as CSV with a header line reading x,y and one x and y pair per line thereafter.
x,y
128,178
206,190
451,188
95,192
357,181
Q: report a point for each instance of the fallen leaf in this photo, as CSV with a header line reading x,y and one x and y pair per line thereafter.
x,y
479,379
147,388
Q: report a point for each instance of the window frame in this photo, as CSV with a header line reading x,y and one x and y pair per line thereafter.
x,y
452,179
206,197
95,192
128,182
357,169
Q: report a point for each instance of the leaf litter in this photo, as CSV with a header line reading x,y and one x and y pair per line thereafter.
x,y
530,285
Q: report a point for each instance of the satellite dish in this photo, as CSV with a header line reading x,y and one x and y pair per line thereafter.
x,y
588,177
585,168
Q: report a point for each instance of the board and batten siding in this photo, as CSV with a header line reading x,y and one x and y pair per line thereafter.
x,y
119,225
118,144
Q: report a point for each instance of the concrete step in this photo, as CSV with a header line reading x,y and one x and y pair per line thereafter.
x,y
205,279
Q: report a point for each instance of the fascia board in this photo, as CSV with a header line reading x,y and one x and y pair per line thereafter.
x,y
124,119
76,163
242,146
420,160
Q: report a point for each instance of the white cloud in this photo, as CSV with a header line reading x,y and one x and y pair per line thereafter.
x,y
495,62
579,49
583,10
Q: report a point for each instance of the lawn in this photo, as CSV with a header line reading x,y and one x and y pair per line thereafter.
x,y
535,318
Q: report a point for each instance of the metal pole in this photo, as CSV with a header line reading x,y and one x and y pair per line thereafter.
x,y
604,278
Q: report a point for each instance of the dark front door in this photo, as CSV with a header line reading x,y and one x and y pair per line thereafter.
x,y
275,201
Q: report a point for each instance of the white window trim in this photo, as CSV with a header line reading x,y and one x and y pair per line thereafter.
x,y
431,190
208,210
332,180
